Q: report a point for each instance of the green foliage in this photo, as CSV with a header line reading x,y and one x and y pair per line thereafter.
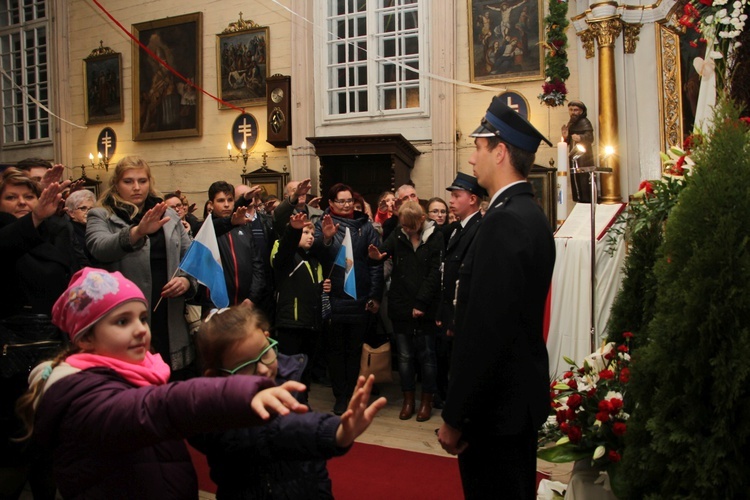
x,y
689,434
643,230
556,69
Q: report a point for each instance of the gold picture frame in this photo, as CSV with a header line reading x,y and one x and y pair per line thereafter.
x,y
270,181
504,41
544,182
242,66
164,105
102,86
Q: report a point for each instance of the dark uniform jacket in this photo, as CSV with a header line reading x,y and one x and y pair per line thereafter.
x,y
454,255
499,367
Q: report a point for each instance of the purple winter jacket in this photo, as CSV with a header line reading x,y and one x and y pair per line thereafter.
x,y
111,439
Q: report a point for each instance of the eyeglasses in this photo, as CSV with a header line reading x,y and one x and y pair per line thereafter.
x,y
84,209
177,205
267,357
343,202
435,211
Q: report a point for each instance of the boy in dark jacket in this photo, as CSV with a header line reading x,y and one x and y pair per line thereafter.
x,y
299,283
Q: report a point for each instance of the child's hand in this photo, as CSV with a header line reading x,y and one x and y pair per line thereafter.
x,y
298,221
327,286
278,400
374,253
358,417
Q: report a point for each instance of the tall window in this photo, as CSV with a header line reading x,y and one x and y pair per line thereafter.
x,y
24,61
373,46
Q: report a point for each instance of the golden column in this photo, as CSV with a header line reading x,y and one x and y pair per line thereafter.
x,y
605,31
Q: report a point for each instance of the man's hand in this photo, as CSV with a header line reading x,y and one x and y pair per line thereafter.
x,y
239,217
52,175
300,194
450,439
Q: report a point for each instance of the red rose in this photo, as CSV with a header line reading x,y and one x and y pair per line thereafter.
x,y
609,356
567,374
693,44
647,186
606,375
677,168
574,434
592,392
562,416
746,120
573,384
602,416
564,427
618,428
629,335
625,375
605,405
615,405
708,3
570,414
574,401
622,348
613,456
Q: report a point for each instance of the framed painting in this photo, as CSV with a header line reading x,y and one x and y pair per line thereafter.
x,y
242,64
270,181
504,40
166,103
102,82
544,183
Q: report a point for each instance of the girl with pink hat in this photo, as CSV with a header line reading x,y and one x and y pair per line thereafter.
x,y
105,409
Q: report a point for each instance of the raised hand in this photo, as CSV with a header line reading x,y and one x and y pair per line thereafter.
x,y
328,228
302,189
239,217
358,416
52,175
278,400
374,253
298,221
47,204
152,221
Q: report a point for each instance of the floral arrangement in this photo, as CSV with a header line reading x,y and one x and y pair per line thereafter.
x,y
719,23
589,418
556,69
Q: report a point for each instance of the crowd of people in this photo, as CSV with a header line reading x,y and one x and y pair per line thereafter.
x,y
309,279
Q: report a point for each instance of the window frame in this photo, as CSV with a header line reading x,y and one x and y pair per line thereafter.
x,y
327,49
26,108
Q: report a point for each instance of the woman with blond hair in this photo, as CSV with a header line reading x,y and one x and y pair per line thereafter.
x,y
134,231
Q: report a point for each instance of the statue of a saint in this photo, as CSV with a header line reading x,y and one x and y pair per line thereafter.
x,y
579,130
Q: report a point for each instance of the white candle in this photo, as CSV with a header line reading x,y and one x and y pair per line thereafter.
x,y
562,182
562,156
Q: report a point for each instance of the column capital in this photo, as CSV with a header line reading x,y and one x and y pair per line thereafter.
x,y
605,30
631,34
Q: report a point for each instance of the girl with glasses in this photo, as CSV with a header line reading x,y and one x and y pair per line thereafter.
x,y
285,458
437,210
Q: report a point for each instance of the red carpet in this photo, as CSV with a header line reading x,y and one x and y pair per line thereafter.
x,y
376,472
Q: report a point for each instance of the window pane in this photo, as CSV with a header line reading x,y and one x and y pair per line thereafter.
x,y
362,101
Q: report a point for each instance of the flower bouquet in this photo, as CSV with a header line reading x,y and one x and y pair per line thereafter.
x,y
588,418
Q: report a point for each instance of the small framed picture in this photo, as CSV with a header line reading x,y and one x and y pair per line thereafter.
x,y
242,64
102,80
544,183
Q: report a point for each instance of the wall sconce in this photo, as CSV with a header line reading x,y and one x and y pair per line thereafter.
x,y
243,154
103,162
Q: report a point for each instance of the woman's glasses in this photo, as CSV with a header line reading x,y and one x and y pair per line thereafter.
x,y
342,202
267,357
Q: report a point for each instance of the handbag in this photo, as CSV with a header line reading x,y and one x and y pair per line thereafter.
x,y
377,361
27,340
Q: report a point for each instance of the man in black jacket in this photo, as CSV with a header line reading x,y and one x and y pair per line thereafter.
x,y
499,388
466,195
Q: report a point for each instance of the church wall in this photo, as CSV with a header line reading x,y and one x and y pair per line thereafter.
x,y
88,24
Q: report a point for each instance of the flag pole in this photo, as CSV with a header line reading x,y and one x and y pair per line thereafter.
x,y
161,296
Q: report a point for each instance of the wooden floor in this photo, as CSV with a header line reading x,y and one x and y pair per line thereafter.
x,y
387,430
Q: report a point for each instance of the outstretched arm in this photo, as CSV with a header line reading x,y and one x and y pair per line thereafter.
x,y
358,417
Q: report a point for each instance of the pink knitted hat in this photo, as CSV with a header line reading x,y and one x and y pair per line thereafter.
x,y
92,294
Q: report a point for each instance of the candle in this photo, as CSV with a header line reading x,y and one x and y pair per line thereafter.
x,y
562,156
562,182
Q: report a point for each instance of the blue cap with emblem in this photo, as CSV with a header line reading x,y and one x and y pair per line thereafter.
x,y
468,183
501,121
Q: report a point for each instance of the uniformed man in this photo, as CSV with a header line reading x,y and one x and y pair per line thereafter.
x,y
498,395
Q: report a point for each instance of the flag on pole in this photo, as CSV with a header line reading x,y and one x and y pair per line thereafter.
x,y
203,262
345,259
